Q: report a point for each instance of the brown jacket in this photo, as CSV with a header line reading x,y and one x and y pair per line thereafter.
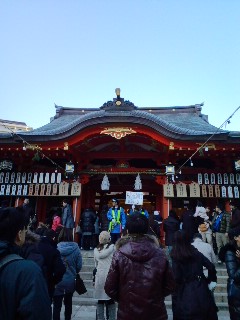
x,y
139,278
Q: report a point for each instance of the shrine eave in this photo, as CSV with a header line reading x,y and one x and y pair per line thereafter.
x,y
175,123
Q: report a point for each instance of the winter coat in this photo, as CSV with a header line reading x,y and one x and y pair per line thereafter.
x,y
56,223
103,220
192,298
189,225
67,217
96,226
28,211
170,226
118,227
139,278
205,248
201,211
228,255
23,293
235,218
43,251
142,211
102,259
88,219
55,267
225,222
72,259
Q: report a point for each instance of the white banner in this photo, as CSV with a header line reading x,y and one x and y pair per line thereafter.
x,y
134,197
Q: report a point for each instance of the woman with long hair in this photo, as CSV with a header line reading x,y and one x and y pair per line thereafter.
x,y
230,254
72,259
103,254
193,299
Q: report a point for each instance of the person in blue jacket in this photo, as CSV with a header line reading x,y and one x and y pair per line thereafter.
x,y
139,209
117,220
72,258
67,218
23,293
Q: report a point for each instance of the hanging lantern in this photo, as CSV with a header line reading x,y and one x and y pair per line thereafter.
x,y
69,168
138,183
170,169
105,183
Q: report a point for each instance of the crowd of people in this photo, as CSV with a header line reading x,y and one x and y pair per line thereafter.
x,y
215,234
38,265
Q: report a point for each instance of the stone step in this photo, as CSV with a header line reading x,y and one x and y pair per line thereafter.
x,y
221,271
87,273
88,261
87,268
85,301
222,279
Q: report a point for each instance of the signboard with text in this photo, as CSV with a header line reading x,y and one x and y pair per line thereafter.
x,y
134,197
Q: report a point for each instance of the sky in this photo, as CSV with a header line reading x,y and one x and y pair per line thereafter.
x,y
161,53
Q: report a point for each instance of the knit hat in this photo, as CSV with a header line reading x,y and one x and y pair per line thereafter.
x,y
104,237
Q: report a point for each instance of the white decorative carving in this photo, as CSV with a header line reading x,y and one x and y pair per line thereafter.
x,y
105,183
138,183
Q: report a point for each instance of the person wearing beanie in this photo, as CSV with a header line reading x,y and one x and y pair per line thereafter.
x,y
103,254
230,254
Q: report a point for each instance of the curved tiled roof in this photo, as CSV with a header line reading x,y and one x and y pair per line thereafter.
x,y
171,125
179,122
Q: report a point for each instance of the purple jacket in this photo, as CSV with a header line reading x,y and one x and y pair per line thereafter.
x,y
139,278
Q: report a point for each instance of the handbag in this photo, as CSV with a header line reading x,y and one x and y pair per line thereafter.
x,y
79,285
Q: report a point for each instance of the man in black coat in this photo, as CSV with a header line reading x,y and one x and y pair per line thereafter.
x,y
55,267
235,221
43,251
87,222
30,214
170,226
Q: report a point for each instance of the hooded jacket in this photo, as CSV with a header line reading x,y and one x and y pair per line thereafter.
x,y
72,259
139,278
23,293
102,259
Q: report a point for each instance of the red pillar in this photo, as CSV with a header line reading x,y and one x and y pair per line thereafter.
x,y
77,205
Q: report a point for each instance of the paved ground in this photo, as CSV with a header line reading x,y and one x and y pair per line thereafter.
x,y
89,313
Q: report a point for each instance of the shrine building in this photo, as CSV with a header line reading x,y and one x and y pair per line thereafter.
x,y
175,154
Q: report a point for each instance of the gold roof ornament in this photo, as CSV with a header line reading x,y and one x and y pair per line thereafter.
x,y
65,147
118,133
171,146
